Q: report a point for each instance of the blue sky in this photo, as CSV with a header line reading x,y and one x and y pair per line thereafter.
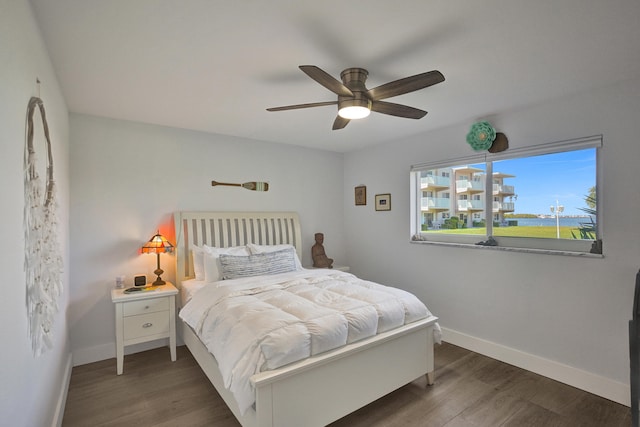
x,y
541,180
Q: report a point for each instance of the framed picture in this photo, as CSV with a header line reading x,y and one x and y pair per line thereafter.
x,y
361,195
383,202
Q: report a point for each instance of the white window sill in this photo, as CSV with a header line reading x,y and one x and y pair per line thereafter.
x,y
509,249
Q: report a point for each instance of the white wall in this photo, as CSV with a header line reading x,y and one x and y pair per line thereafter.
x,y
30,388
128,178
568,311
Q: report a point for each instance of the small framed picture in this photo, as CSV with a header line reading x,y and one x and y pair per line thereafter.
x,y
383,202
361,195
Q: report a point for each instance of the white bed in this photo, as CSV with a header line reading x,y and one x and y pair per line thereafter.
x,y
323,388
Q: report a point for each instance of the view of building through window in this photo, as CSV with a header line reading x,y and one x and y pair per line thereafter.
x,y
543,196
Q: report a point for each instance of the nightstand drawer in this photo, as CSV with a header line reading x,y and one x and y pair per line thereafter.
x,y
153,305
146,324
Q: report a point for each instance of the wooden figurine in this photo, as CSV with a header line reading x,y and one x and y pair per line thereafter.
x,y
320,259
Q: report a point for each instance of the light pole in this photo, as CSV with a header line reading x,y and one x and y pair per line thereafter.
x,y
558,210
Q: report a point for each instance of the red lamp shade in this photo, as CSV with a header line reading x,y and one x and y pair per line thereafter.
x,y
158,244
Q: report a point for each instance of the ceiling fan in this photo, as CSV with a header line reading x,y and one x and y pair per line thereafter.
x,y
355,101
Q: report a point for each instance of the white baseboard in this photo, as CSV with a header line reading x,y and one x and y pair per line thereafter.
x,y
62,396
595,384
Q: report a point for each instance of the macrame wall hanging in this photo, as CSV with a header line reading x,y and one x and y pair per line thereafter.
x,y
42,258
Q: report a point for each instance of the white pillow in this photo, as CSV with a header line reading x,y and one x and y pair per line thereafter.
x,y
276,262
212,267
263,249
197,253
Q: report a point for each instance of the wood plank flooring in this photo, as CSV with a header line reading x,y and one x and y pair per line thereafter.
x,y
471,390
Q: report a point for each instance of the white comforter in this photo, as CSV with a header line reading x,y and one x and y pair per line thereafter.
x,y
261,323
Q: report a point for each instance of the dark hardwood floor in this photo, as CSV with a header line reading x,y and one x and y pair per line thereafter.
x,y
470,390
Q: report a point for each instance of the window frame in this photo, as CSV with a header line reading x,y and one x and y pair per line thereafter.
x,y
565,246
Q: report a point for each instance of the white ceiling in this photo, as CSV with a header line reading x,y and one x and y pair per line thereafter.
x,y
215,66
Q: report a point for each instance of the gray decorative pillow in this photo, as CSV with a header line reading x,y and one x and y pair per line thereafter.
x,y
234,267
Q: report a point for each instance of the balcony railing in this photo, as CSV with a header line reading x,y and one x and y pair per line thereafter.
x,y
435,203
464,185
470,205
435,181
503,206
503,189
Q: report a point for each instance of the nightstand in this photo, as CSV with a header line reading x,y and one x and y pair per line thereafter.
x,y
144,316
344,268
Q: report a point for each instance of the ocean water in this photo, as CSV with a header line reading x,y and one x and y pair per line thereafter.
x,y
551,222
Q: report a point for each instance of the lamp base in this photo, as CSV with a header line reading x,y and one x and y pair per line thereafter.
x,y
158,272
158,282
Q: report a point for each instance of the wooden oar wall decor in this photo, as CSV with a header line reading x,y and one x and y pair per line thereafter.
x,y
253,185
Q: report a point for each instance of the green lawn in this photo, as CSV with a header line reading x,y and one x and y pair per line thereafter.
x,y
529,231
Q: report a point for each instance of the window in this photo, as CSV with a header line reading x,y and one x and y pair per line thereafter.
x,y
542,197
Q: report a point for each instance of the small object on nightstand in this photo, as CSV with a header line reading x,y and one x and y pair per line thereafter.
x,y
120,282
140,289
142,315
139,280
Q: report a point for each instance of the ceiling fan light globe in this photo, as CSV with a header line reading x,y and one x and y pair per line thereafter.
x,y
354,112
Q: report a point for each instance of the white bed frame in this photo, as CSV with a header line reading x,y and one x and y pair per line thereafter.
x,y
318,390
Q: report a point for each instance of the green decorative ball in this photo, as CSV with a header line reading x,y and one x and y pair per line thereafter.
x,y
481,136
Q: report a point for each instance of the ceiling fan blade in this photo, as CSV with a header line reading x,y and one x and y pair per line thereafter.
x,y
406,85
326,80
340,123
397,110
298,106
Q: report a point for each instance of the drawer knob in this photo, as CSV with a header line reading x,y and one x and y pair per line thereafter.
x,y
146,307
147,325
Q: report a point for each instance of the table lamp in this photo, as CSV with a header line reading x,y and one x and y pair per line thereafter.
x,y
158,244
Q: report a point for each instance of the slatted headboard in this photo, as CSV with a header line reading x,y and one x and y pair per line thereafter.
x,y
224,229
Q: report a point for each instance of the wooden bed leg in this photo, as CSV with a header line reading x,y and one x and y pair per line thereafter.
x,y
431,376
